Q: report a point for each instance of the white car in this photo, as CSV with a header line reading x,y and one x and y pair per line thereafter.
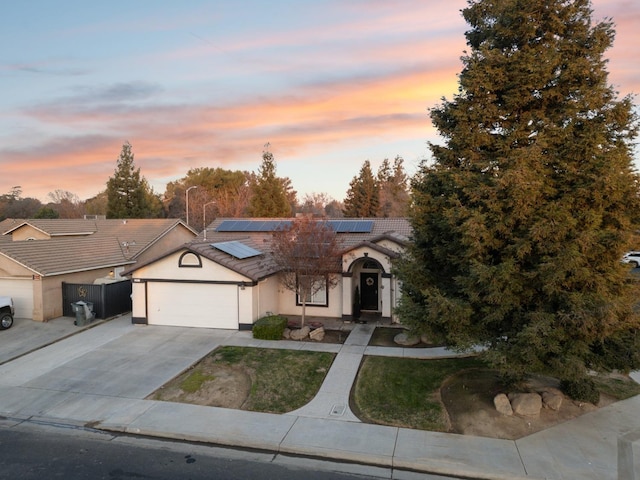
x,y
633,258
6,312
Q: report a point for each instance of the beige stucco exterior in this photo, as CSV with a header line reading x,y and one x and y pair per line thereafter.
x,y
206,293
27,232
176,236
192,275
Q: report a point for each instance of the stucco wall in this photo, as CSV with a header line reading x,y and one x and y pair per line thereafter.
x,y
138,300
174,238
27,231
168,268
287,304
268,297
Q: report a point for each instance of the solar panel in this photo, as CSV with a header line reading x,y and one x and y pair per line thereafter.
x,y
351,226
236,249
252,225
227,226
363,226
339,226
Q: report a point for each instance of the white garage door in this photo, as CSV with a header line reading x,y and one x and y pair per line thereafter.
x,y
21,290
192,305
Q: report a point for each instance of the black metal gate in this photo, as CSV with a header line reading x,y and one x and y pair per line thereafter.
x,y
109,299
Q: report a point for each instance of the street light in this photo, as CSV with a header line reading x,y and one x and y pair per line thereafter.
x,y
204,218
187,196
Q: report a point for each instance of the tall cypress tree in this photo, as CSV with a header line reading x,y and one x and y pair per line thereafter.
x,y
127,192
393,188
521,221
269,192
363,196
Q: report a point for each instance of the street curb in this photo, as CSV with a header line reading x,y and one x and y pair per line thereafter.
x,y
340,456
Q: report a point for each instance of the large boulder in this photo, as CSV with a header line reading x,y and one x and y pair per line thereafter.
x,y
552,399
406,340
317,334
502,404
286,334
526,404
300,333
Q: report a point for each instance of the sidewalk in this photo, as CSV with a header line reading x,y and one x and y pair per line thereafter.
x,y
101,377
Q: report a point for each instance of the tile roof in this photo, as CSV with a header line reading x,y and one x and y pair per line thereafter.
x,y
261,266
58,226
111,243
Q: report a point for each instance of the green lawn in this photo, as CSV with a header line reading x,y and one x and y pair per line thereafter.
x,y
403,392
282,380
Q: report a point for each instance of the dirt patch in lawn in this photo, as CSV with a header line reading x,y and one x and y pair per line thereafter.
x,y
255,379
225,386
468,399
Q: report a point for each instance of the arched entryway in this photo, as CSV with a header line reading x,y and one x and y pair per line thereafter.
x,y
367,274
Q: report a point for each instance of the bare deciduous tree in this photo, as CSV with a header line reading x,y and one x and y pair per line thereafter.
x,y
308,251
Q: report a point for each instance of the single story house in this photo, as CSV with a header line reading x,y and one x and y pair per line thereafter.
x,y
38,255
226,278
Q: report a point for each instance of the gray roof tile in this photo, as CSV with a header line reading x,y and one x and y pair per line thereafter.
x,y
261,266
112,243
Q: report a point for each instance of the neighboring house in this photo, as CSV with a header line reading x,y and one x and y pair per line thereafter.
x,y
37,255
226,278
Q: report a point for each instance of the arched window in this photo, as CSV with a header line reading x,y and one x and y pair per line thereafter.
x,y
190,260
371,265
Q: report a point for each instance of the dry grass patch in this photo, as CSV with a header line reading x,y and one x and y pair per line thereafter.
x,y
255,379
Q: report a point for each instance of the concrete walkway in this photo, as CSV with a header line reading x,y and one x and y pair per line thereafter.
x,y
101,377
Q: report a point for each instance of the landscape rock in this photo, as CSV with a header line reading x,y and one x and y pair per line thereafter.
x,y
300,333
317,334
406,339
552,399
425,339
502,404
286,334
526,404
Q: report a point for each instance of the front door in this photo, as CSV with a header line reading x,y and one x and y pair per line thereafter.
x,y
369,291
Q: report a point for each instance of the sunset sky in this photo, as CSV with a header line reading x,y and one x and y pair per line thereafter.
x,y
328,83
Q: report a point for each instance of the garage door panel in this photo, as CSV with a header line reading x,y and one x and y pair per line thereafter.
x,y
192,305
21,290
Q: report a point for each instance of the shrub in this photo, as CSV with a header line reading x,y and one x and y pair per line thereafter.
x,y
583,390
269,328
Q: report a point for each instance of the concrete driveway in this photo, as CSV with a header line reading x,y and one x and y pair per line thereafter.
x,y
116,360
26,336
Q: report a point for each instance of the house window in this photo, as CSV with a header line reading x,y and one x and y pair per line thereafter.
x,y
319,288
189,260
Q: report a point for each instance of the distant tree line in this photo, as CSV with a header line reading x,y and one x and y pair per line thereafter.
x,y
215,192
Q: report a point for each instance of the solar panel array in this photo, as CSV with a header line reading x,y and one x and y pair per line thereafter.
x,y
236,249
252,225
339,226
351,226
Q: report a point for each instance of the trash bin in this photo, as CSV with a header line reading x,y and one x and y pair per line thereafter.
x,y
84,312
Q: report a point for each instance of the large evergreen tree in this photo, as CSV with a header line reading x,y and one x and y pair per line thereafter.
x,y
269,193
521,221
128,193
393,184
363,196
